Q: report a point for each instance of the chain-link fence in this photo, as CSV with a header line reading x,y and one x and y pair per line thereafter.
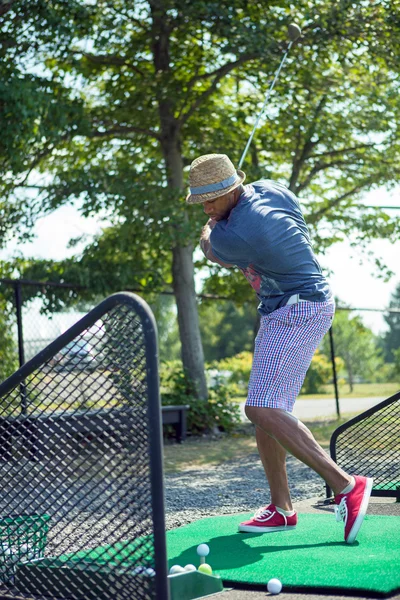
x,y
33,317
351,362
81,507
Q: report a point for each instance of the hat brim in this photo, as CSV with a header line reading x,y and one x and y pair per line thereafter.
x,y
201,198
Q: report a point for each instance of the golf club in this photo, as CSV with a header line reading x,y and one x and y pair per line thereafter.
x,y
294,32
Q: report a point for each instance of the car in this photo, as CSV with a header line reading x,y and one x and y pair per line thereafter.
x,y
77,354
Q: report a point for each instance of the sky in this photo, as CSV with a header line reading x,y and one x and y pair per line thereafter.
x,y
354,283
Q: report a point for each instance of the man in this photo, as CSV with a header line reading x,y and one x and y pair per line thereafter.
x,y
260,229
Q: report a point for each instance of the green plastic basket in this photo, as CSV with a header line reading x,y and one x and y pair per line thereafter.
x,y
22,539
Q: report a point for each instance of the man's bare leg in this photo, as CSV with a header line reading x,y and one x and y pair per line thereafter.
x,y
273,458
299,441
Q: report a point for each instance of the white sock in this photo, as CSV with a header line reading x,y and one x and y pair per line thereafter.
x,y
349,487
287,513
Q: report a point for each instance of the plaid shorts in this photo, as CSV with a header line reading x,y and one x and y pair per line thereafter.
x,y
284,347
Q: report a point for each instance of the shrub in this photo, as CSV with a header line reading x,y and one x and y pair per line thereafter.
x,y
240,367
387,373
319,373
396,364
177,388
8,350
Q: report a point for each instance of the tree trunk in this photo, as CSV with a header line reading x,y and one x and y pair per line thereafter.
x,y
183,283
182,256
188,319
350,374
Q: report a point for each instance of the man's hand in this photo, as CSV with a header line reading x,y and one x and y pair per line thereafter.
x,y
211,223
205,244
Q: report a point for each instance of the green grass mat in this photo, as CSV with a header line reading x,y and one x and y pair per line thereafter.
x,y
313,555
389,485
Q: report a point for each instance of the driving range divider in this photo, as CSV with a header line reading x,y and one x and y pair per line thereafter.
x,y
369,445
82,514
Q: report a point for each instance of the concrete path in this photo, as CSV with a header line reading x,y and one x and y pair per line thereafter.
x,y
307,410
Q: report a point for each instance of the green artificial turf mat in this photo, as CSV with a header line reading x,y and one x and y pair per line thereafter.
x,y
313,555
387,485
121,554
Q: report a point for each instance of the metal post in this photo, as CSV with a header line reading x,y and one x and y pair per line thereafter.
x,y
335,383
18,308
21,352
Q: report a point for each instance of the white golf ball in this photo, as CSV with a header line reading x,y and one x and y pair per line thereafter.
x,y
27,551
190,568
203,550
274,586
138,569
11,554
176,569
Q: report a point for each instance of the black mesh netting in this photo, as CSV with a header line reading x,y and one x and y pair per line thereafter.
x,y
76,512
370,446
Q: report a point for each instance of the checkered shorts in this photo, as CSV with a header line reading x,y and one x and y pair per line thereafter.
x,y
284,347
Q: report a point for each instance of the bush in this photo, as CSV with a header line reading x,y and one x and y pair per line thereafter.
x,y
396,364
387,373
8,350
319,373
177,388
240,367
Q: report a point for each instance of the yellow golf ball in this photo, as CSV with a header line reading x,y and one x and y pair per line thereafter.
x,y
205,568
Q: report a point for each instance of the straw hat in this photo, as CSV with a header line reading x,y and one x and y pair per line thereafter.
x,y
211,176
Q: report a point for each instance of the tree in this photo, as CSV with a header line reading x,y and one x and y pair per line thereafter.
x,y
8,349
164,311
36,111
152,84
319,373
356,345
226,328
396,357
391,339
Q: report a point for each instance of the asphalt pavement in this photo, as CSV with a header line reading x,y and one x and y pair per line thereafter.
x,y
307,410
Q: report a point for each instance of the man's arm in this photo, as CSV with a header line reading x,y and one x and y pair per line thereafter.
x,y
205,244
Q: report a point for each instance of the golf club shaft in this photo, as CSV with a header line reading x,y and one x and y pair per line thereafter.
x,y
264,105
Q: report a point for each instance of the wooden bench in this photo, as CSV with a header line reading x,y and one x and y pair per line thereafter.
x,y
36,430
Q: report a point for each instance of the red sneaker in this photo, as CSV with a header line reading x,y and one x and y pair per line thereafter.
x,y
268,519
353,506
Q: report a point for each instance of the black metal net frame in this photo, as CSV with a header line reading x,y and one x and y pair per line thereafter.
x,y
369,445
81,468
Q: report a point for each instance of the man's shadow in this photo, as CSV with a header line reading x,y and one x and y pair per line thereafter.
x,y
231,551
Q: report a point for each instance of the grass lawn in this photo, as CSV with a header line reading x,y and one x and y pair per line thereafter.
x,y
361,390
204,452
208,451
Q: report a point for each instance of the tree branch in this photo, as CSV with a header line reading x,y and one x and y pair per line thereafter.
x,y
342,151
308,145
218,75
319,213
124,130
321,167
45,152
5,6
129,18
217,71
30,187
109,59
95,134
